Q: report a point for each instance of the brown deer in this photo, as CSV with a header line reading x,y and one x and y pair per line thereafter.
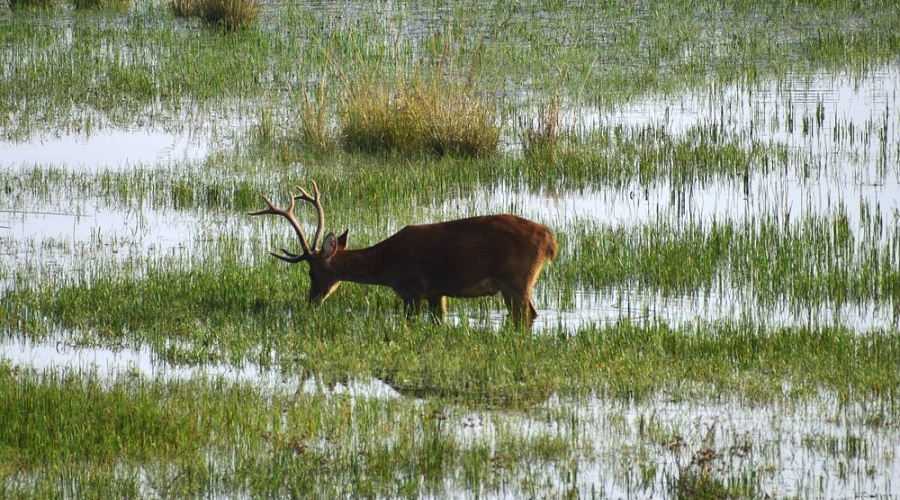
x,y
470,257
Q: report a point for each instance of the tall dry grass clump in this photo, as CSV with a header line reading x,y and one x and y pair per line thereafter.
x,y
101,4
315,127
426,112
541,136
30,4
230,15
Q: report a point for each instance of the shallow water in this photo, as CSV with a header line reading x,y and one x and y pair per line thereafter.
x,y
832,105
793,449
811,448
110,150
783,196
50,241
842,132
846,126
111,362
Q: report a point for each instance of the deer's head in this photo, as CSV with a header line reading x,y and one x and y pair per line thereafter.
x,y
323,280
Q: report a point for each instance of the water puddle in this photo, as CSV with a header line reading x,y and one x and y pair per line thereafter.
x,y
784,197
44,241
112,362
111,150
824,112
88,238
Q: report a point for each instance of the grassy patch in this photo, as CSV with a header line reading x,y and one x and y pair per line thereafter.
x,y
820,259
50,420
426,112
69,434
230,15
31,4
101,4
224,312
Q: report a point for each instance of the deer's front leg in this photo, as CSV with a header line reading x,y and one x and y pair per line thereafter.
x,y
438,306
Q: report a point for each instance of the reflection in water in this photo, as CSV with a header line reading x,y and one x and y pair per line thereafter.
x,y
842,133
810,448
110,150
49,241
110,362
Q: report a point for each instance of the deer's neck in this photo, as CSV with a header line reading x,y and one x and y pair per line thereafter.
x,y
364,266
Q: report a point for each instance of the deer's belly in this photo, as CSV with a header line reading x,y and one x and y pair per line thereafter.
x,y
479,289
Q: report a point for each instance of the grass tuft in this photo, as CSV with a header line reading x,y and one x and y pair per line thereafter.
x,y
30,4
230,15
315,130
432,113
101,4
541,136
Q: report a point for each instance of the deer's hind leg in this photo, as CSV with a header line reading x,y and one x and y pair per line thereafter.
x,y
412,308
521,310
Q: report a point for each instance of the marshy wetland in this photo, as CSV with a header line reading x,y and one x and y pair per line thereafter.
x,y
722,320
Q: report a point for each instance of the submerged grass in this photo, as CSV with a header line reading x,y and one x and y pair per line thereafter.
x,y
819,259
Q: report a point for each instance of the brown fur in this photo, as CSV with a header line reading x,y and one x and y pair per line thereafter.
x,y
470,257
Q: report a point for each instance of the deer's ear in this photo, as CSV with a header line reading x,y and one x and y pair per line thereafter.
x,y
330,246
342,240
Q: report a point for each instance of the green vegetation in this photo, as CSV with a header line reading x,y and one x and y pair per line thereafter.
x,y
221,312
426,113
818,260
51,419
31,4
101,4
727,288
231,15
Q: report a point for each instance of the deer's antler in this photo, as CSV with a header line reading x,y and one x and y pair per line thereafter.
x,y
321,213
288,214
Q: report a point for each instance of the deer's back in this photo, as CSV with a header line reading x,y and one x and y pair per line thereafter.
x,y
468,257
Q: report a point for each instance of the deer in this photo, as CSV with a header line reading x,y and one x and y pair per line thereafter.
x,y
471,257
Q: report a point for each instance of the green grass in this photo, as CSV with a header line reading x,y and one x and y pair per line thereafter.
x,y
230,15
541,49
54,419
67,434
452,101
226,312
818,260
432,111
31,4
101,4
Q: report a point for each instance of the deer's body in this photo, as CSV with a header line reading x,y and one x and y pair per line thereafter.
x,y
470,257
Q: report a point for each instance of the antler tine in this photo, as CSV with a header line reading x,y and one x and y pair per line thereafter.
x,y
288,256
288,214
321,212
